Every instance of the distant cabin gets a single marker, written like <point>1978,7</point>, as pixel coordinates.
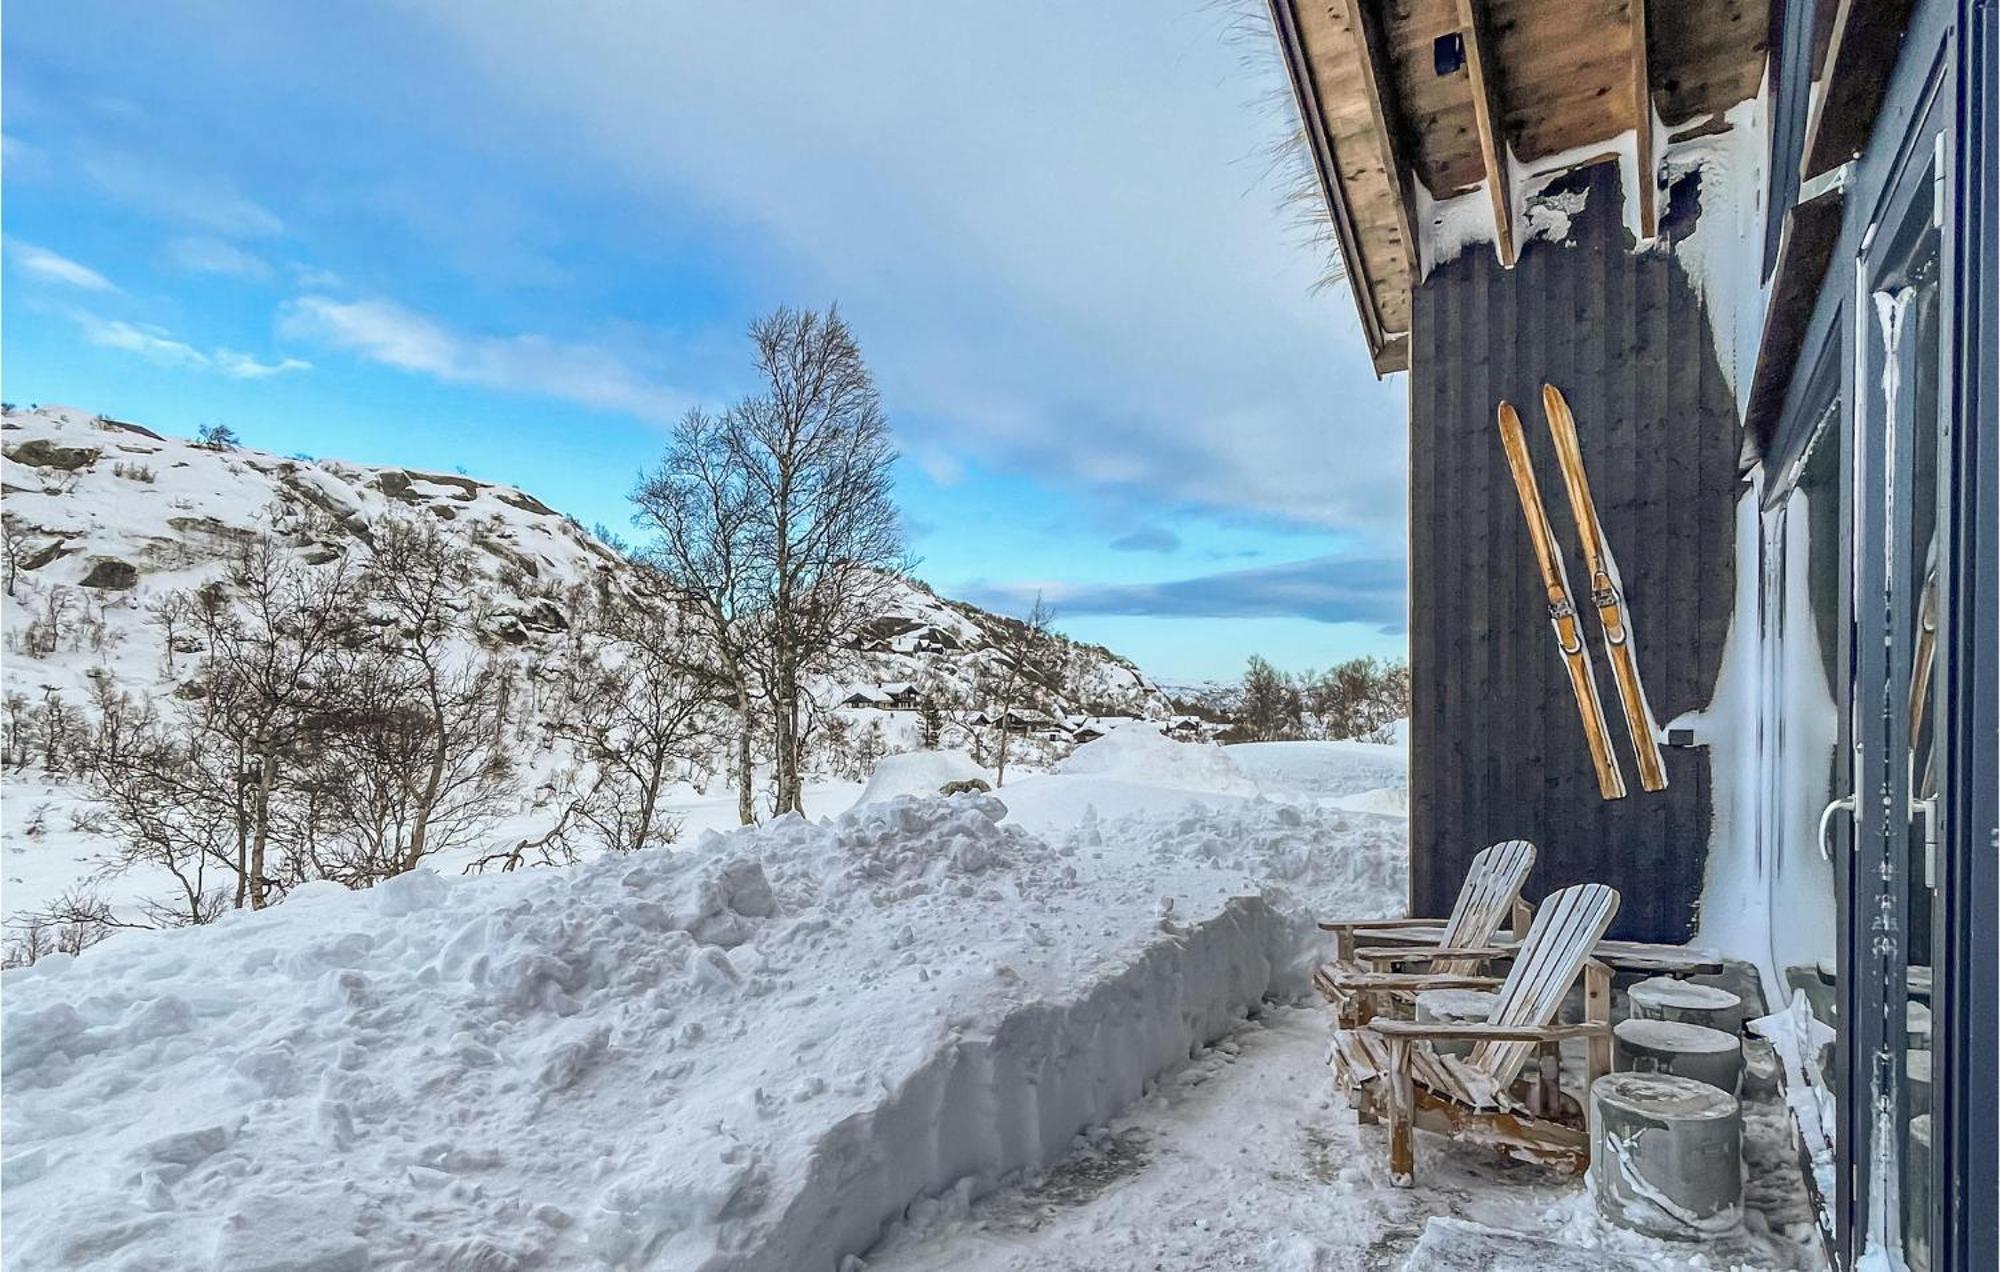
<point>890,636</point>
<point>900,695</point>
<point>1029,719</point>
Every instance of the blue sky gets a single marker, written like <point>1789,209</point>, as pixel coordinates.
<point>522,239</point>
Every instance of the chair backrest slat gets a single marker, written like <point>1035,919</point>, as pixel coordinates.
<point>1492,884</point>
<point>1566,930</point>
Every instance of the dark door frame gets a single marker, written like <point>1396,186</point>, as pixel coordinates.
<point>1962,70</point>
<point>1963,1104</point>
<point>1876,995</point>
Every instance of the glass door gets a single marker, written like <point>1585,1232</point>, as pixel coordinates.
<point>1901,391</point>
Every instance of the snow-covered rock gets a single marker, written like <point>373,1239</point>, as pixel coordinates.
<point>920,773</point>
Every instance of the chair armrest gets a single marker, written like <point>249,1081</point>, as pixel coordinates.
<point>1482,1032</point>
<point>1429,954</point>
<point>1362,925</point>
<point>1406,980</point>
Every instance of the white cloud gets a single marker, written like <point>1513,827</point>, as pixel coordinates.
<point>241,366</point>
<point>1328,589</point>
<point>936,463</point>
<point>385,332</point>
<point>209,203</point>
<point>151,343</point>
<point>1049,231</point>
<point>43,263</point>
<point>314,277</point>
<point>24,160</point>
<point>158,346</point>
<point>201,254</point>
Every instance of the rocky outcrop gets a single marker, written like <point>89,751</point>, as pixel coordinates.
<point>40,452</point>
<point>111,575</point>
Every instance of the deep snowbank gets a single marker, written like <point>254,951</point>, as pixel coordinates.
<point>749,1054</point>
<point>1013,1097</point>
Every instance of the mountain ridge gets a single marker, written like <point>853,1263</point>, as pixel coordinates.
<point>68,529</point>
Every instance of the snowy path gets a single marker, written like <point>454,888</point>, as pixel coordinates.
<point>1246,1159</point>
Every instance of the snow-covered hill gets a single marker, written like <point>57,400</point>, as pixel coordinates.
<point>104,519</point>
<point>113,514</point>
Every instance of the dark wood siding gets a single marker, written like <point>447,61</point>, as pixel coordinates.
<point>1497,749</point>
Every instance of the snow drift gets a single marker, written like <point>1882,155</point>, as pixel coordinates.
<point>750,1054</point>
<point>1140,752</point>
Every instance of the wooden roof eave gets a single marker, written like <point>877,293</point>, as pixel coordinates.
<point>1805,254</point>
<point>1864,38</point>
<point>1860,57</point>
<point>1388,351</point>
<point>1386,114</point>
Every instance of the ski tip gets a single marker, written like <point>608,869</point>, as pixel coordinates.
<point>1553,399</point>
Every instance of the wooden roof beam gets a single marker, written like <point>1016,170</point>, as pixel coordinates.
<point>1379,83</point>
<point>1642,126</point>
<point>1388,351</point>
<point>1486,114</point>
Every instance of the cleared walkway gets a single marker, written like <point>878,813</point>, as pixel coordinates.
<point>1246,1159</point>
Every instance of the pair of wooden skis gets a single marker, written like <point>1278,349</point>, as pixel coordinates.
<point>1607,596</point>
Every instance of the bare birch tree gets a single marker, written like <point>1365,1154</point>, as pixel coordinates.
<point>638,708</point>
<point>1020,657</point>
<point>426,740</point>
<point>827,542</point>
<point>170,805</point>
<point>697,504</point>
<point>1271,707</point>
<point>269,680</point>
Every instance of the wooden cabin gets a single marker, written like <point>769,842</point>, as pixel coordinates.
<point>902,695</point>
<point>897,695</point>
<point>1753,244</point>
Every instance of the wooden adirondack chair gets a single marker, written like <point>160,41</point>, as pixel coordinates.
<point>1390,1069</point>
<point>1360,981</point>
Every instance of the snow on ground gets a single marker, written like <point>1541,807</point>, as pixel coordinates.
<point>1134,769</point>
<point>1139,752</point>
<point>964,1023</point>
<point>1247,1158</point>
<point>1359,776</point>
<point>752,1052</point>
